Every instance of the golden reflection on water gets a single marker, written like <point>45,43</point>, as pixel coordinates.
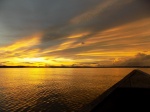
<point>19,86</point>
<point>46,89</point>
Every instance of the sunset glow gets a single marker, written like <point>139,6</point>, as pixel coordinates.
<point>100,33</point>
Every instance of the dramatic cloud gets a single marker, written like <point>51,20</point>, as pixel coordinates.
<point>140,59</point>
<point>83,32</point>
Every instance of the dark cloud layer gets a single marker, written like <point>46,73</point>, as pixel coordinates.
<point>25,17</point>
<point>117,13</point>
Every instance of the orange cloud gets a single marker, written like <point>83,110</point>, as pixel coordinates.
<point>26,42</point>
<point>117,43</point>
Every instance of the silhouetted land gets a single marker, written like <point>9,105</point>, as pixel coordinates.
<point>74,66</point>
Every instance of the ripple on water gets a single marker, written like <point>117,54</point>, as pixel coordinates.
<point>53,90</point>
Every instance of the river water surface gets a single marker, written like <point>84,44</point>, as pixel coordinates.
<point>55,89</point>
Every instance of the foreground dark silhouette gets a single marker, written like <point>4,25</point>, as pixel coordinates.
<point>130,94</point>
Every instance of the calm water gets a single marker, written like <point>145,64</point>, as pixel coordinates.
<point>54,89</point>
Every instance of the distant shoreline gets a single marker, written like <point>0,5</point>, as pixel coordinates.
<point>74,67</point>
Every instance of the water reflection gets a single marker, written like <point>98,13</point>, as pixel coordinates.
<point>53,90</point>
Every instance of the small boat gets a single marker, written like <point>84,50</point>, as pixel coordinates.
<point>131,94</point>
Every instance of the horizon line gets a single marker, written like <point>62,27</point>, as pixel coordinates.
<point>21,66</point>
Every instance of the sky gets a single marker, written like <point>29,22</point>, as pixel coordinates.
<point>75,32</point>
